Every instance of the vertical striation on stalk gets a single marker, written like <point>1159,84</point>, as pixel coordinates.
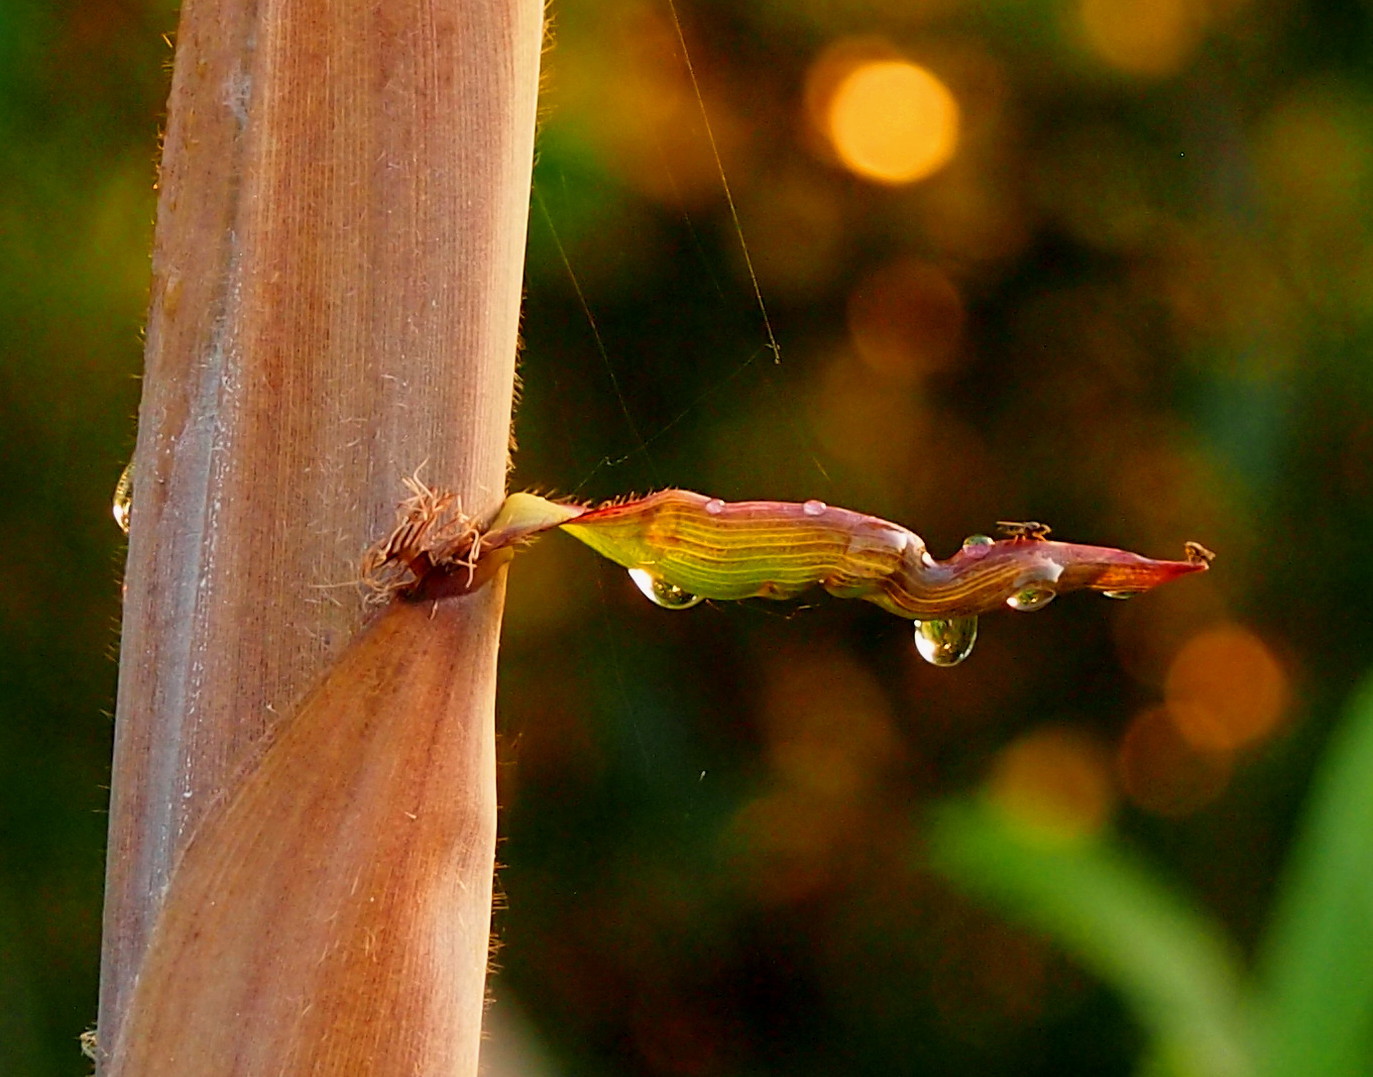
<point>336,287</point>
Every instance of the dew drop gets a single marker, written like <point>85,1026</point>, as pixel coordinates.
<point>660,592</point>
<point>715,506</point>
<point>123,498</point>
<point>1121,594</point>
<point>1030,599</point>
<point>975,546</point>
<point>946,643</point>
<point>813,507</point>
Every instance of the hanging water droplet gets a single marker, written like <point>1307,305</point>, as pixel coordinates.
<point>813,507</point>
<point>715,506</point>
<point>946,643</point>
<point>1030,599</point>
<point>123,498</point>
<point>661,593</point>
<point>1121,594</point>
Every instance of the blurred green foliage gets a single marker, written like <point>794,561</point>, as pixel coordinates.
<point>1137,303</point>
<point>1171,965</point>
<point>1306,1010</point>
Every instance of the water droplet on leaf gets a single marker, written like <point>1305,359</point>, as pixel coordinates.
<point>660,592</point>
<point>813,507</point>
<point>1030,599</point>
<point>975,546</point>
<point>1121,594</point>
<point>946,643</point>
<point>123,498</point>
<point>715,506</point>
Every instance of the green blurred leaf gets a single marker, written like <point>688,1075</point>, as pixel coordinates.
<point>1174,967</point>
<point>1317,972</point>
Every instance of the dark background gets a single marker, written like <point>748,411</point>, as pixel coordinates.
<point>1136,303</point>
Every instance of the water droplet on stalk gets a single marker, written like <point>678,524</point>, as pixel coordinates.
<point>813,507</point>
<point>1121,594</point>
<point>715,506</point>
<point>946,643</point>
<point>1030,599</point>
<point>660,592</point>
<point>123,498</point>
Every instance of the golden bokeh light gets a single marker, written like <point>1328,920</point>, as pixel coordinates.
<point>1055,782</point>
<point>1142,37</point>
<point>1225,689</point>
<point>1149,635</point>
<point>891,121</point>
<point>906,319</point>
<point>809,747</point>
<point>1161,772</point>
<point>831,741</point>
<point>859,420</point>
<point>1313,155</point>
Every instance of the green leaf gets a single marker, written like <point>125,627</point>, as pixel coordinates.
<point>1317,972</point>
<point>1172,965</point>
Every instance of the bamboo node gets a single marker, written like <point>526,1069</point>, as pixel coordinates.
<point>431,532</point>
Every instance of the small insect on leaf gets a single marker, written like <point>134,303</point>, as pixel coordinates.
<point>1028,529</point>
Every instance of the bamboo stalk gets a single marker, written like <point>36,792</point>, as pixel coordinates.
<point>336,284</point>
